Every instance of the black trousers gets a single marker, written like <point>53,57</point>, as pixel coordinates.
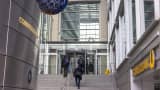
<point>65,71</point>
<point>77,80</point>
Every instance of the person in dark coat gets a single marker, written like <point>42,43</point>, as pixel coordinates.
<point>81,64</point>
<point>65,66</point>
<point>78,76</point>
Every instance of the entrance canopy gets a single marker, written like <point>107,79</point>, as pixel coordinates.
<point>75,45</point>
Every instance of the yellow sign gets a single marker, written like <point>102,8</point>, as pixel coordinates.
<point>28,26</point>
<point>147,63</point>
<point>152,60</point>
<point>107,72</point>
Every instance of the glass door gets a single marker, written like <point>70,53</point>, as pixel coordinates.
<point>90,64</point>
<point>101,64</point>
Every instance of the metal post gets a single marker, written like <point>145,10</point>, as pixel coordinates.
<point>100,65</point>
<point>96,63</point>
<point>85,51</point>
<point>56,63</point>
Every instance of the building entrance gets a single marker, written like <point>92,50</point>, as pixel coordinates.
<point>95,59</point>
<point>74,56</point>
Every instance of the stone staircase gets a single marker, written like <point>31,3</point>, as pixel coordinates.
<point>89,82</point>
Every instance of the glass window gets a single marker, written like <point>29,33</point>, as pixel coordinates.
<point>148,12</point>
<point>134,21</point>
<point>84,19</point>
<point>82,32</point>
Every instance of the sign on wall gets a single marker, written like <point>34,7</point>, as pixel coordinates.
<point>28,25</point>
<point>147,64</point>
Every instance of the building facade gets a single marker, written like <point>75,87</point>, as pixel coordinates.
<point>133,32</point>
<point>80,30</point>
<point>19,44</point>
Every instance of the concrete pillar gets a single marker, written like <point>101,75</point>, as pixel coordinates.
<point>134,85</point>
<point>128,23</point>
<point>140,18</point>
<point>55,28</point>
<point>120,39</point>
<point>117,47</point>
<point>157,9</point>
<point>103,20</point>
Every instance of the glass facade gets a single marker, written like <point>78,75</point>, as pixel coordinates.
<point>46,27</point>
<point>80,22</point>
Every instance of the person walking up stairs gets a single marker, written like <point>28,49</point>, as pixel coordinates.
<point>78,76</point>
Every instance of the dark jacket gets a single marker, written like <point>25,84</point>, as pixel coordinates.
<point>65,62</point>
<point>78,72</point>
<point>81,64</point>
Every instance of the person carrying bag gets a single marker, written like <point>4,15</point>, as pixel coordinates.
<point>78,76</point>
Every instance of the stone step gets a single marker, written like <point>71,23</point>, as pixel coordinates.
<point>98,82</point>
<point>60,76</point>
<point>49,77</point>
<point>75,88</point>
<point>89,82</point>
